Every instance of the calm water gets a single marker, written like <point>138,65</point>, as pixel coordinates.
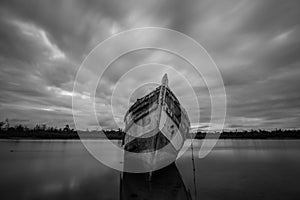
<point>235,169</point>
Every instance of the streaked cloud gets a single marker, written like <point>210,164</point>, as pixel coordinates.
<point>255,44</point>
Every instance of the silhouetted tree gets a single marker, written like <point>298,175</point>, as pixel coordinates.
<point>67,128</point>
<point>1,124</point>
<point>6,124</point>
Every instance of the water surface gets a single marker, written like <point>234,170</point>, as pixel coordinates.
<point>235,169</point>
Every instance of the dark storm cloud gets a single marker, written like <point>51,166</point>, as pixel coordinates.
<point>254,43</point>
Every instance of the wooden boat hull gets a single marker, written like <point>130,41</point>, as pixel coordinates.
<point>153,146</point>
<point>156,128</point>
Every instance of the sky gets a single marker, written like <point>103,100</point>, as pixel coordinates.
<point>254,43</point>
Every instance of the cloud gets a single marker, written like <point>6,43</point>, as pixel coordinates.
<point>38,35</point>
<point>254,43</point>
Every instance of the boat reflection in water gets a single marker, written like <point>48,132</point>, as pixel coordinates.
<point>165,183</point>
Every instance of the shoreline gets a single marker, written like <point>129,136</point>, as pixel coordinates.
<point>114,139</point>
<point>278,134</point>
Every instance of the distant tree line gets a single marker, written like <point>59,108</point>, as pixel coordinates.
<point>39,131</point>
<point>42,131</point>
<point>255,134</point>
<point>114,134</point>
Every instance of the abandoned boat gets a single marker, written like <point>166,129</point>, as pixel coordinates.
<point>156,127</point>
